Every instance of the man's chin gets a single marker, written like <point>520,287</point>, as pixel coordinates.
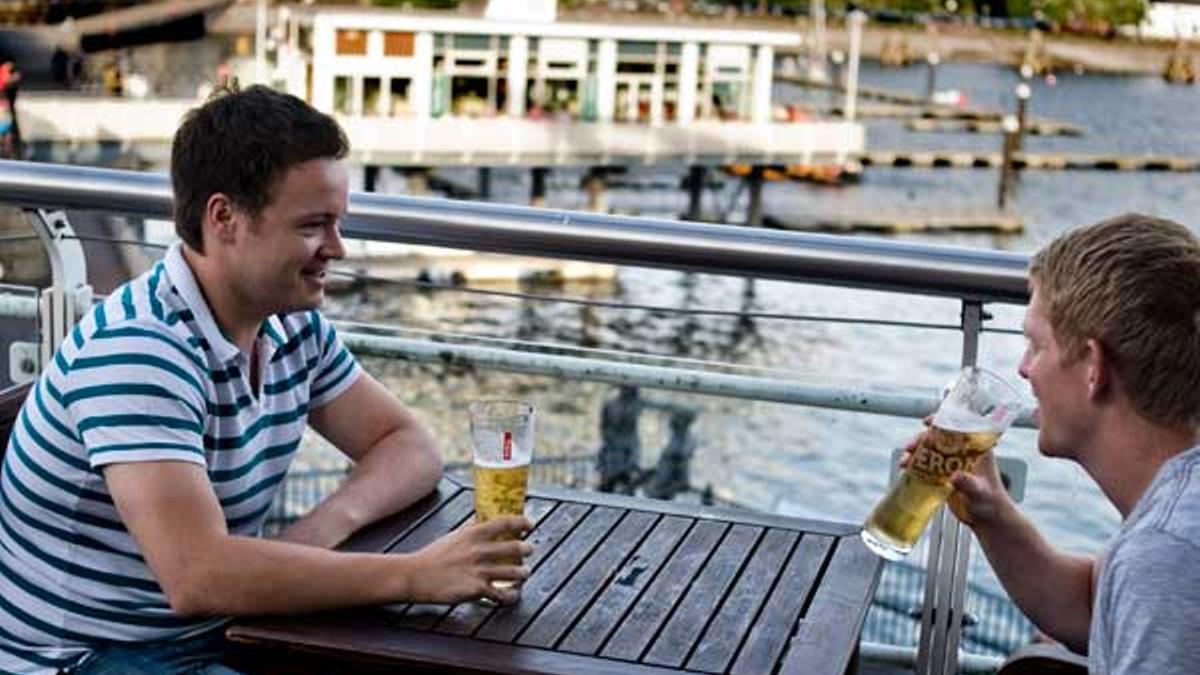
<point>304,304</point>
<point>1048,449</point>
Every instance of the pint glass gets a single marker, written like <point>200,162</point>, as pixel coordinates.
<point>979,407</point>
<point>502,443</point>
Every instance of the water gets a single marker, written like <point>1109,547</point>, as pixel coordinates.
<point>794,460</point>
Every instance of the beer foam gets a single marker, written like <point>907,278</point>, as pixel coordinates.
<point>518,459</point>
<point>956,418</point>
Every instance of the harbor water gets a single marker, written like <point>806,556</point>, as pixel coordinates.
<point>782,458</point>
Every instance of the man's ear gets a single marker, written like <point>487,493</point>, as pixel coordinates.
<point>1099,369</point>
<point>221,218</point>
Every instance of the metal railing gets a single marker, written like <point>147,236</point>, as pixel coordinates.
<point>975,277</point>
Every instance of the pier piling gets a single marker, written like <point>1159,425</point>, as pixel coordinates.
<point>1012,133</point>
<point>931,61</point>
<point>537,187</point>
<point>696,177</point>
<point>837,59</point>
<point>754,206</point>
<point>370,177</point>
<point>485,183</point>
<point>595,184</point>
<point>1023,92</point>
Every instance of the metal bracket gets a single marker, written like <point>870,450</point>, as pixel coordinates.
<point>69,294</point>
<point>23,365</point>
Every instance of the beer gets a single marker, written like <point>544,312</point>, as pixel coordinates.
<point>500,491</point>
<point>969,421</point>
<point>502,439</point>
<point>898,520</point>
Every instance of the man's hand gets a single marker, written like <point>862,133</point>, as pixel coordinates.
<point>979,497</point>
<point>462,565</point>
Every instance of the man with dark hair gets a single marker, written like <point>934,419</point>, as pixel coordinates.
<point>1113,357</point>
<point>143,463</point>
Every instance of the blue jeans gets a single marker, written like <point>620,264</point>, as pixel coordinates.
<point>200,655</point>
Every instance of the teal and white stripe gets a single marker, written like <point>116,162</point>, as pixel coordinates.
<point>146,376</point>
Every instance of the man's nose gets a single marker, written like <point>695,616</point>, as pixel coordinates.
<point>333,247</point>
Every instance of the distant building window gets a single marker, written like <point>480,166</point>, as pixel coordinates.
<point>637,48</point>
<point>351,42</point>
<point>372,97</point>
<point>401,105</point>
<point>342,93</point>
<point>472,42</point>
<point>398,44</point>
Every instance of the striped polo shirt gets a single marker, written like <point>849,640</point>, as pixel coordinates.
<point>146,376</point>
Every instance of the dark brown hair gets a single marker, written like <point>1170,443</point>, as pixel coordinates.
<point>240,144</point>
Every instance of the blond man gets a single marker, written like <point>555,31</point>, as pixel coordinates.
<point>1113,358</point>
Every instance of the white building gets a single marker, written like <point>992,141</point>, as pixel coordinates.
<point>533,88</point>
<point>1171,21</point>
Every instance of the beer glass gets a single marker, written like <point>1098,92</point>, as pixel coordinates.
<point>978,408</point>
<point>502,443</point>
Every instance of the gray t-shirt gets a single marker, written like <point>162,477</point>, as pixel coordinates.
<point>1146,617</point>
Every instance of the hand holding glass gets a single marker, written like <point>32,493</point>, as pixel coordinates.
<point>978,409</point>
<point>502,435</point>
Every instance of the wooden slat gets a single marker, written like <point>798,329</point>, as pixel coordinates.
<point>648,591</point>
<point>424,616</point>
<point>637,573</point>
<point>570,601</point>
<point>451,515</point>
<point>419,616</point>
<point>679,636</point>
<point>438,523</point>
<point>722,514</point>
<point>380,536</point>
<point>822,644</point>
<point>724,634</point>
<point>466,618</point>
<point>508,622</point>
<point>771,632</point>
<point>656,603</point>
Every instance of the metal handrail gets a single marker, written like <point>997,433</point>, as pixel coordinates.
<point>973,276</point>
<point>905,267</point>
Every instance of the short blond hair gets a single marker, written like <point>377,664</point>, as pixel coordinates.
<point>1133,284</point>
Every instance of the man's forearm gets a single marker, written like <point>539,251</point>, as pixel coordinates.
<point>1052,588</point>
<point>399,470</point>
<point>239,576</point>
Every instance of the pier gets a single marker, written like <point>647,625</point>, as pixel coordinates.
<point>1038,161</point>
<point>892,221</point>
<point>987,125</point>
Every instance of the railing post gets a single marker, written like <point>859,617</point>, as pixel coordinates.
<point>69,292</point>
<point>949,555</point>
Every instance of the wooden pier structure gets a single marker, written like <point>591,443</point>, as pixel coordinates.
<point>1024,160</point>
<point>990,126</point>
<point>903,221</point>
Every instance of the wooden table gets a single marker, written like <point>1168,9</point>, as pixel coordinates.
<point>619,585</point>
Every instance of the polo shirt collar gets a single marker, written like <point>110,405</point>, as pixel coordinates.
<point>273,329</point>
<point>184,281</point>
